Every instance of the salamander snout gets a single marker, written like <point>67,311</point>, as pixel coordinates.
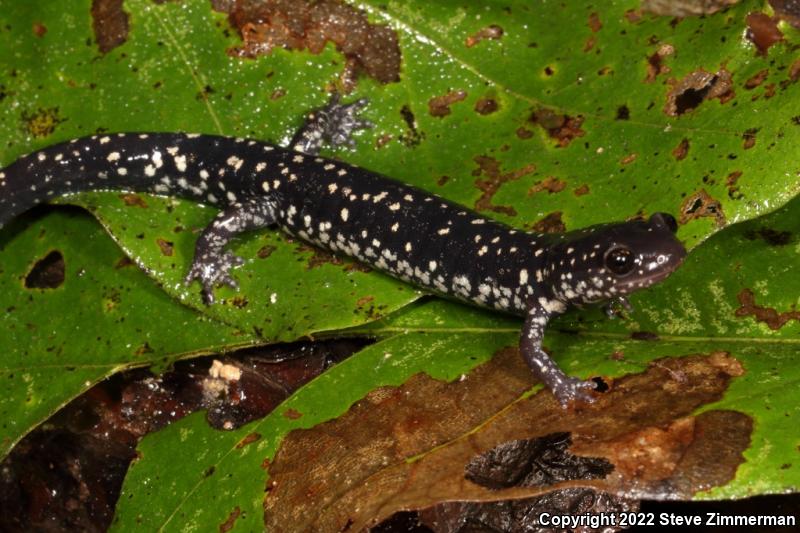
<point>611,260</point>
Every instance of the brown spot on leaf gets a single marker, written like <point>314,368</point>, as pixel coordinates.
<point>697,87</point>
<point>730,182</point>
<point>562,128</point>
<point>767,315</point>
<point>794,71</point>
<point>633,15</point>
<point>47,273</point>
<point>680,151</point>
<point>524,133</point>
<point>756,79</point>
<point>594,22</point>
<point>382,140</point>
<point>762,31</point>
<point>643,427</point>
<point>319,257</point>
<point>551,184</point>
<point>265,251</point>
<point>583,189</point>
<point>655,62</point>
<point>110,24</point>
<point>552,223</point>
<point>489,32</point>
<point>439,106</point>
<point>39,29</point>
<point>628,159</point>
<point>442,180</point>
<point>364,300</point>
<point>490,167</point>
<point>166,247</point>
<point>250,438</point>
<point>486,106</point>
<point>230,522</point>
<point>700,204</point>
<point>310,25</point>
<point>42,122</point>
<point>133,200</point>
<point>239,301</point>
<point>749,138</point>
<point>292,414</point>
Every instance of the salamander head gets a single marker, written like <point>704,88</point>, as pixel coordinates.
<point>611,260</point>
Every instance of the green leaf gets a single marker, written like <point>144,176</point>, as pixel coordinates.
<point>579,136</point>
<point>96,315</point>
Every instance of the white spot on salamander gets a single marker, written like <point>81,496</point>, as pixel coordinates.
<point>149,170</point>
<point>344,213</point>
<point>180,163</point>
<point>113,156</point>
<point>235,162</point>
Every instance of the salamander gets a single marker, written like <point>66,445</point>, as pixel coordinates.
<point>400,229</point>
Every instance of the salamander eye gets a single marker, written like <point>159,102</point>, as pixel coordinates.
<point>619,260</point>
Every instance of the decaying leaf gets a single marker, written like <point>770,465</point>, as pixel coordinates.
<point>484,439</point>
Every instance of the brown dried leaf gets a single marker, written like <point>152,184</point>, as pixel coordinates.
<point>398,450</point>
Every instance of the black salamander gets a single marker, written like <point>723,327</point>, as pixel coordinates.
<point>400,229</point>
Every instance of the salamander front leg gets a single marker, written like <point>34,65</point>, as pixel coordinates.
<point>333,125</point>
<point>566,389</point>
<point>212,263</point>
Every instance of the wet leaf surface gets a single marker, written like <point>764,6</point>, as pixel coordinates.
<point>617,113</point>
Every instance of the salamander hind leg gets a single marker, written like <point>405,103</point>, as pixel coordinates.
<point>212,264</point>
<point>333,125</point>
<point>566,389</point>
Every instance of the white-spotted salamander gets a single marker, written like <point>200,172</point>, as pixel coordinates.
<point>400,229</point>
